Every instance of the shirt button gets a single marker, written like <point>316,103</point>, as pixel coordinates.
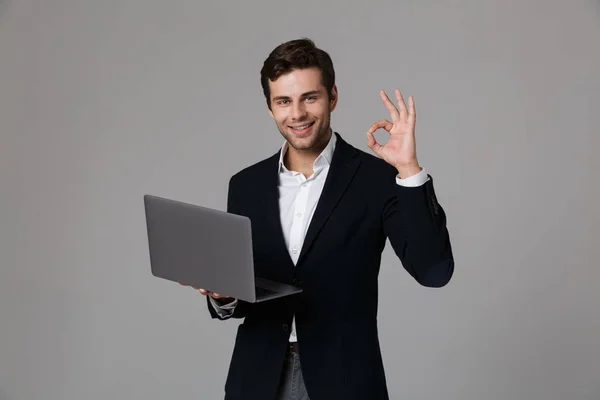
<point>299,215</point>
<point>304,185</point>
<point>294,251</point>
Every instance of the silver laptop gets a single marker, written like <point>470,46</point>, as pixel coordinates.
<point>206,248</point>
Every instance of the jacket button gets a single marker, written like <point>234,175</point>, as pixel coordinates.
<point>286,328</point>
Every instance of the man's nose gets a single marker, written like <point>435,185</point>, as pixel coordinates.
<point>298,111</point>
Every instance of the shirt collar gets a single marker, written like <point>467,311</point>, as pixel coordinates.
<point>323,159</point>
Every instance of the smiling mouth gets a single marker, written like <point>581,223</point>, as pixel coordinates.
<point>302,128</point>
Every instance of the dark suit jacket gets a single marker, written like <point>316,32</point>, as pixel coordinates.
<point>336,315</point>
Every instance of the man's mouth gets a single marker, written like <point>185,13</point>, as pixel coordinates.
<point>302,128</point>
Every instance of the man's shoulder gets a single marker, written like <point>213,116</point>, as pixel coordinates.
<point>256,170</point>
<point>366,157</point>
<point>375,164</point>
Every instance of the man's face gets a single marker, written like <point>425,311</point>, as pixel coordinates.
<point>301,108</point>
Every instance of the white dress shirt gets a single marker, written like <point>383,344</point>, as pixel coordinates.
<point>298,198</point>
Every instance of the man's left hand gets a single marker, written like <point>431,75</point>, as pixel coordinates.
<point>400,150</point>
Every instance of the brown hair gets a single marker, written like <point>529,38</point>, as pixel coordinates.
<point>296,54</point>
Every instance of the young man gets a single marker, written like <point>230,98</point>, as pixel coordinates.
<point>321,213</point>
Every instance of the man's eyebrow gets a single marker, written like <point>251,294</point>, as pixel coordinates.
<point>310,93</point>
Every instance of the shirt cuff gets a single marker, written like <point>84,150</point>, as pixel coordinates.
<point>224,310</point>
<point>418,179</point>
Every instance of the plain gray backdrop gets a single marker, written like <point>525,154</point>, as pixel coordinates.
<point>104,101</point>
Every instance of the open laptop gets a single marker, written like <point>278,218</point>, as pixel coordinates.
<point>206,248</point>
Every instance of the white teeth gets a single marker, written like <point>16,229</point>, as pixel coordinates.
<point>299,128</point>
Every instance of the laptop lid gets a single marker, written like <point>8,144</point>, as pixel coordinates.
<point>200,246</point>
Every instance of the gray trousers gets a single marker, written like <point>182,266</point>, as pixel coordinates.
<point>291,385</point>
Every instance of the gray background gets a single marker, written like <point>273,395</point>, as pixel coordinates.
<point>103,101</point>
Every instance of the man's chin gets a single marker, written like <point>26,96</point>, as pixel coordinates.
<point>301,144</point>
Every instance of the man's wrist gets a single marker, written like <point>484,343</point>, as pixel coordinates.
<point>224,301</point>
<point>408,170</point>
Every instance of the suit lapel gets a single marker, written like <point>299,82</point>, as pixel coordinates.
<point>344,164</point>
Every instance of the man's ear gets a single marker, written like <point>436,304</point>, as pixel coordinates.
<point>270,111</point>
<point>334,98</point>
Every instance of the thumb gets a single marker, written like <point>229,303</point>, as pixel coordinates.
<point>372,143</point>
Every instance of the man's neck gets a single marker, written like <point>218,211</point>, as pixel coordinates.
<point>303,160</point>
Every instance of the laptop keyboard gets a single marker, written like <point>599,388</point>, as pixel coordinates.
<point>261,292</point>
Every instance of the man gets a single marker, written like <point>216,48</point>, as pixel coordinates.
<point>321,213</point>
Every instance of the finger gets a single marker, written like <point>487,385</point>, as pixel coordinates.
<point>401,104</point>
<point>412,113</point>
<point>394,114</point>
<point>372,143</point>
<point>381,124</point>
<point>203,291</point>
<point>219,296</point>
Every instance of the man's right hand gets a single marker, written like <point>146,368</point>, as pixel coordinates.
<point>222,299</point>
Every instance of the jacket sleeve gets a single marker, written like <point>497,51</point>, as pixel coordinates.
<point>415,224</point>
